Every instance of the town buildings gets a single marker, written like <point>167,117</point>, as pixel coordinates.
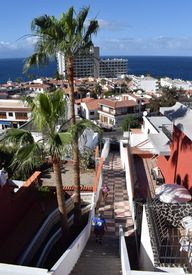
<point>13,113</point>
<point>163,144</point>
<point>90,64</point>
<point>177,167</point>
<point>113,67</point>
<point>112,110</point>
<point>84,64</point>
<point>147,84</point>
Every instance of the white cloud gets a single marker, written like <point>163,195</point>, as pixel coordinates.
<point>31,40</point>
<point>109,25</point>
<point>20,48</point>
<point>7,45</point>
<point>155,45</point>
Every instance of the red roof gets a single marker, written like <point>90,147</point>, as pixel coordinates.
<point>93,104</point>
<point>117,103</point>
<point>86,99</point>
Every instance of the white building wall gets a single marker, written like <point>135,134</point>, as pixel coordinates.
<point>61,64</point>
<point>146,261</point>
<point>128,176</point>
<point>88,139</point>
<point>148,127</point>
<point>84,111</point>
<point>148,85</point>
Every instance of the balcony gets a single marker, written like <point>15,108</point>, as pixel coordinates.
<point>166,233</point>
<point>21,117</point>
<point>111,112</point>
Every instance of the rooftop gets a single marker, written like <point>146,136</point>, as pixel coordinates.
<point>181,116</point>
<point>113,103</point>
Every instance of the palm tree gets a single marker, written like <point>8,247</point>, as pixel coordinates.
<point>68,35</point>
<point>46,110</point>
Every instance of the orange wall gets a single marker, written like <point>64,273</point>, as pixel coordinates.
<point>177,168</point>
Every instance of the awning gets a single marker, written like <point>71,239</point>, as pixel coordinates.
<point>3,122</point>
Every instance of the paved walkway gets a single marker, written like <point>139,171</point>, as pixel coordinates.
<point>116,208</point>
<point>104,259</point>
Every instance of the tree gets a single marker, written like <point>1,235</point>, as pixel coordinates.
<point>57,76</point>
<point>68,35</point>
<point>168,98</point>
<point>130,121</point>
<point>18,80</point>
<point>46,110</point>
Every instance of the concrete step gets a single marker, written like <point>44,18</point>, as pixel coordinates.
<point>97,268</point>
<point>99,258</point>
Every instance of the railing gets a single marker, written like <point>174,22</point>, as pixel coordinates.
<point>105,151</point>
<point>125,264</point>
<point>21,117</point>
<point>41,235</point>
<point>68,260</point>
<point>55,237</point>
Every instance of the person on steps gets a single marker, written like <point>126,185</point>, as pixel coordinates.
<point>105,192</point>
<point>100,227</point>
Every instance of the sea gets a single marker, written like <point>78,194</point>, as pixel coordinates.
<point>156,66</point>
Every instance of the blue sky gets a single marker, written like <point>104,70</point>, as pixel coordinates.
<point>127,27</point>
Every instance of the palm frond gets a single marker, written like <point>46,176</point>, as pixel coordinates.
<point>27,158</point>
<point>38,58</point>
<point>45,105</point>
<point>65,137</point>
<point>81,17</point>
<point>18,136</point>
<point>92,29</point>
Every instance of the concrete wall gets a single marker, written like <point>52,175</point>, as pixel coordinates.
<point>88,139</point>
<point>148,127</point>
<point>146,260</point>
<point>126,163</point>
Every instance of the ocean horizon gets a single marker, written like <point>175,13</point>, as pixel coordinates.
<point>157,66</point>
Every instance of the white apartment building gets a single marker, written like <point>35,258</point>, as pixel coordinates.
<point>90,64</point>
<point>13,113</point>
<point>113,67</point>
<point>84,64</point>
<point>145,83</point>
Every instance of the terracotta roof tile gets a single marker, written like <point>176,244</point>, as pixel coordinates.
<point>93,104</point>
<point>117,104</point>
<point>86,99</point>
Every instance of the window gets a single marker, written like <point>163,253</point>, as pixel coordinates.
<point>92,113</point>
<point>21,115</point>
<point>3,115</point>
<point>10,114</point>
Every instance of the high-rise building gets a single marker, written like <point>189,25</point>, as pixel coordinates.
<point>113,67</point>
<point>61,64</point>
<point>90,64</point>
<point>84,64</point>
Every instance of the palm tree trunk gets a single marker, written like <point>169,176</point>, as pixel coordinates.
<point>76,164</point>
<point>60,197</point>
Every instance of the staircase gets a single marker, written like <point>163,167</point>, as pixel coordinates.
<point>104,258</point>
<point>97,259</point>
